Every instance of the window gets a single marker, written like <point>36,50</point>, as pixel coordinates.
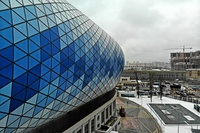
<point>102,117</point>
<point>92,125</point>
<point>86,128</point>
<point>106,113</point>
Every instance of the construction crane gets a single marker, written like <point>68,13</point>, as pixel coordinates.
<point>179,48</point>
<point>183,55</point>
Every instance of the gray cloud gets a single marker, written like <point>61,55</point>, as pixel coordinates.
<point>144,28</point>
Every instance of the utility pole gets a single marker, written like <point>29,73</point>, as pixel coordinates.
<point>151,84</point>
<point>137,88</point>
<point>160,86</point>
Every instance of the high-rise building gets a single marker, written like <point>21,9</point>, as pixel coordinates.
<point>183,61</point>
<point>58,69</point>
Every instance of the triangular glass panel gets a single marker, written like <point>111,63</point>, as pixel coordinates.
<point>23,45</point>
<point>29,113</point>
<point>6,14</point>
<point>47,76</point>
<point>4,43</point>
<point>45,56</point>
<point>5,107</point>
<point>44,69</point>
<point>36,39</point>
<point>18,53</point>
<point>43,84</point>
<point>4,62</point>
<point>16,18</point>
<point>39,12</point>
<point>3,99</point>
<point>52,17</point>
<point>30,93</point>
<point>47,63</point>
<point>59,92</point>
<point>32,62</point>
<point>23,120</point>
<point>11,119</point>
<point>36,70</point>
<point>27,107</point>
<point>53,35</point>
<point>44,40</point>
<point>34,23</point>
<point>31,30</point>
<point>63,44</point>
<point>36,55</point>
<point>35,85</point>
<point>6,33</point>
<point>49,100</point>
<point>4,24</point>
<point>57,69</point>
<point>40,97</point>
<point>47,49</point>
<point>18,111</point>
<point>23,62</point>
<point>44,20</point>
<point>6,90</point>
<point>54,62</point>
<point>48,8</point>
<point>15,3</point>
<point>20,96</point>
<point>42,26</point>
<point>17,88</point>
<point>15,104</point>
<point>18,71</point>
<point>3,6</point>
<point>42,103</point>
<point>22,79</point>
<point>3,121</point>
<point>33,99</point>
<point>29,15</point>
<point>57,56</point>
<point>18,36</point>
<point>32,46</point>
<point>31,9</point>
<point>50,22</point>
<point>54,76</point>
<point>55,46</point>
<point>15,124</point>
<point>32,78</point>
<point>20,11</point>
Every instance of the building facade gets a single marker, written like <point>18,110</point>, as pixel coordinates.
<point>155,75</point>
<point>55,63</point>
<point>193,74</point>
<point>147,66</point>
<point>183,61</point>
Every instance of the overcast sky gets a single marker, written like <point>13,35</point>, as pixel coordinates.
<point>144,28</point>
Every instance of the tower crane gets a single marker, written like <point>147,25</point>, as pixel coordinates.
<point>179,48</point>
<point>183,54</point>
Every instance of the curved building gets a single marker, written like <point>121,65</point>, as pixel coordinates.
<point>54,63</point>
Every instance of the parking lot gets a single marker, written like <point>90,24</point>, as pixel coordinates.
<point>175,114</point>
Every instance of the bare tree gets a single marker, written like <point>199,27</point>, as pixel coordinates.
<point>151,85</point>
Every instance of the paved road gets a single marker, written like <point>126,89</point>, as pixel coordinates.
<point>137,119</point>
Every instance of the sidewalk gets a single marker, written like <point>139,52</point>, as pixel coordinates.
<point>137,119</point>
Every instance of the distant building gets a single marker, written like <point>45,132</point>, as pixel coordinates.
<point>193,74</point>
<point>147,66</point>
<point>156,75</point>
<point>183,61</point>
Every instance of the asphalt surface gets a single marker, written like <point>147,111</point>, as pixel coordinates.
<point>174,114</point>
<point>137,118</point>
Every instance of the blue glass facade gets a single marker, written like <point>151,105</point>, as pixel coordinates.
<point>52,60</point>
